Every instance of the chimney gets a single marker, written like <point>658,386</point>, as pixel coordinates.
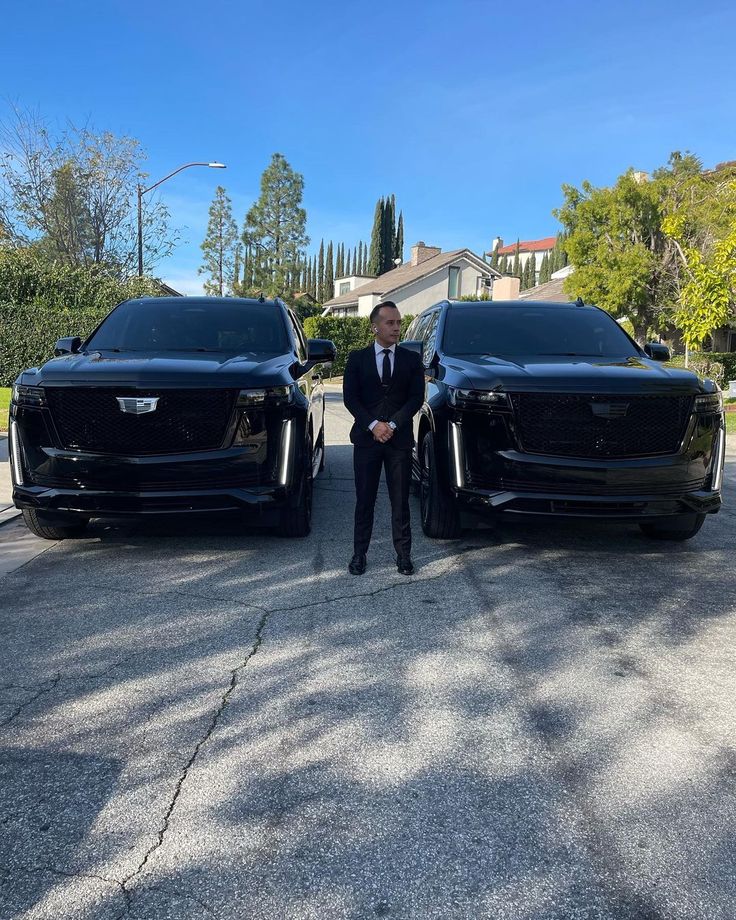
<point>420,252</point>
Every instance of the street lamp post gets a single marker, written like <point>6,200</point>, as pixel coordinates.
<point>143,191</point>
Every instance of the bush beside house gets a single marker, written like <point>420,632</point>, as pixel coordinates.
<point>348,333</point>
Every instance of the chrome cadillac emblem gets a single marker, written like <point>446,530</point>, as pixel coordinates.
<point>137,406</point>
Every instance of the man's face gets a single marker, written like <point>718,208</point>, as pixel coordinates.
<point>388,326</point>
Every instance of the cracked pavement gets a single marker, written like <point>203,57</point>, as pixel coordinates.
<point>202,720</point>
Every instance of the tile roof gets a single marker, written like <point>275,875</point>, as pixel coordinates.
<point>527,246</point>
<point>405,274</point>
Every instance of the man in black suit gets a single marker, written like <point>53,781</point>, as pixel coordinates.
<point>383,389</point>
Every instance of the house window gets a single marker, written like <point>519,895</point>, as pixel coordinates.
<point>732,345</point>
<point>344,288</point>
<point>453,285</point>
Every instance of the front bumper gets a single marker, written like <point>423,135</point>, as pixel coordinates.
<point>560,504</point>
<point>260,500</point>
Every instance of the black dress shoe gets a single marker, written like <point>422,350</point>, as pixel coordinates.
<point>404,565</point>
<point>357,564</point>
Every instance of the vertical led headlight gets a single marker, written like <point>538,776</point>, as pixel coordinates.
<point>286,439</point>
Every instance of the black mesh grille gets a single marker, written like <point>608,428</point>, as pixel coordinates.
<point>616,426</point>
<point>90,419</point>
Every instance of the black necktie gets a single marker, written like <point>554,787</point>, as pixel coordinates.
<point>386,375</point>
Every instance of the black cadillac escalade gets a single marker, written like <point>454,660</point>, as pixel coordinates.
<point>173,404</point>
<point>552,409</point>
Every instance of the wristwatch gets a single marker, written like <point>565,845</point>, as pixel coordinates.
<point>392,426</point>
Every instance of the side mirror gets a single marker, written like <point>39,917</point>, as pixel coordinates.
<point>68,346</point>
<point>657,351</point>
<point>415,345</point>
<point>321,351</point>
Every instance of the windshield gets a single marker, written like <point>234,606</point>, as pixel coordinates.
<point>510,331</point>
<point>217,325</point>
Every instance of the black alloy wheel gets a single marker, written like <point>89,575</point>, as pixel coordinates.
<point>55,526</point>
<point>678,527</point>
<point>440,516</point>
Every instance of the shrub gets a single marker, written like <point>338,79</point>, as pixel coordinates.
<point>348,333</point>
<point>42,302</point>
<point>719,366</point>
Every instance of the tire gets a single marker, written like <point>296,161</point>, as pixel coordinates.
<point>440,516</point>
<point>55,526</point>
<point>296,517</point>
<point>679,527</point>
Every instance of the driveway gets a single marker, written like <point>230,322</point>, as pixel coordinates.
<point>199,720</point>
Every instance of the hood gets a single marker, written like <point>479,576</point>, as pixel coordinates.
<point>573,374</point>
<point>191,369</point>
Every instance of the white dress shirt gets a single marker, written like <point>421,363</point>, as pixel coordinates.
<point>379,367</point>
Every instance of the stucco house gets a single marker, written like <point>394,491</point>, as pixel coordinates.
<point>540,249</point>
<point>430,276</point>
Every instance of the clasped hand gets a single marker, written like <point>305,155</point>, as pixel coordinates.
<point>382,432</point>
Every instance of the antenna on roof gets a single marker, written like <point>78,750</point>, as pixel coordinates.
<point>261,298</point>
<point>579,302</point>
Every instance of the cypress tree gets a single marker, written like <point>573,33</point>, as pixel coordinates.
<point>320,282</point>
<point>376,258</point>
<point>339,261</point>
<point>329,274</point>
<point>348,270</point>
<point>516,270</point>
<point>399,247</point>
<point>544,270</point>
<point>389,243</point>
<point>532,263</point>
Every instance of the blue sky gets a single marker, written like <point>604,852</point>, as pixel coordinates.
<point>473,114</point>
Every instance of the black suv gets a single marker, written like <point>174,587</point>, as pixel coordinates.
<point>552,409</point>
<point>173,404</point>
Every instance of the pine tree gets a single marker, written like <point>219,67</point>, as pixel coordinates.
<point>277,223</point>
<point>376,258</point>
<point>399,247</point>
<point>218,247</point>
<point>329,274</point>
<point>320,280</point>
<point>236,268</point>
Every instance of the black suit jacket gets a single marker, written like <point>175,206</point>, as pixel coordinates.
<point>367,399</point>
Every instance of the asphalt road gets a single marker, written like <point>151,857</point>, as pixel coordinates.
<point>201,721</point>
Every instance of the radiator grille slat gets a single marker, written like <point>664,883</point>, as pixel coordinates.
<point>89,419</point>
<point>600,426</point>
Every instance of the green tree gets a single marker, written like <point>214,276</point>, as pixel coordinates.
<point>532,270</point>
<point>218,247</point>
<point>700,220</point>
<point>622,258</point>
<point>329,274</point>
<point>516,269</point>
<point>71,196</point>
<point>377,257</point>
<point>544,272</point>
<point>399,245</point>
<point>320,281</point>
<point>277,223</point>
<point>339,261</point>
<point>389,233</point>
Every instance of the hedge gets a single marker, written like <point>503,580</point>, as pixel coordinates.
<point>348,333</point>
<point>719,366</point>
<point>42,302</point>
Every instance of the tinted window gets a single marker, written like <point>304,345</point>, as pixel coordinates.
<point>217,325</point>
<point>534,331</point>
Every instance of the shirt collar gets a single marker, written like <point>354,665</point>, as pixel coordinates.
<point>379,348</point>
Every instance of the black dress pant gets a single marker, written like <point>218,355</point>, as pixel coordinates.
<point>367,463</point>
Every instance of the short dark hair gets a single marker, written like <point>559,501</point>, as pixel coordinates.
<point>379,306</point>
